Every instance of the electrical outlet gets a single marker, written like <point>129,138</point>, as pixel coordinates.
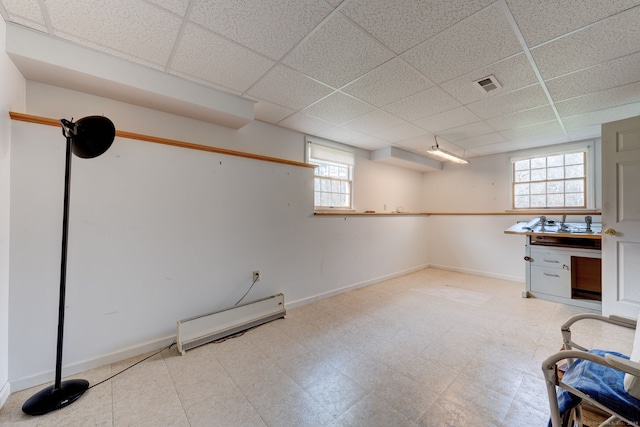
<point>256,276</point>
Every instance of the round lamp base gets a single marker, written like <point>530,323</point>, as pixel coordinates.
<point>52,398</point>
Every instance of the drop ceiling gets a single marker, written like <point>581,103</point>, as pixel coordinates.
<point>378,73</point>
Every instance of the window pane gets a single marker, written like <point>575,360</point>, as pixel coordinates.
<point>538,201</point>
<point>521,165</point>
<point>325,199</point>
<point>538,188</point>
<point>555,161</point>
<point>521,202</point>
<point>575,186</point>
<point>574,171</point>
<point>555,187</point>
<point>555,173</point>
<point>538,174</point>
<point>555,200</point>
<point>573,158</point>
<point>540,162</point>
<point>574,200</point>
<point>521,189</point>
<point>522,176</point>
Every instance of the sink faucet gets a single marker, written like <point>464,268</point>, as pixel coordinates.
<point>587,220</point>
<point>543,220</point>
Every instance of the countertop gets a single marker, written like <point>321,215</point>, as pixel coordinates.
<point>572,229</point>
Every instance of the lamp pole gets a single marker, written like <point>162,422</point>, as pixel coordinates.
<point>63,393</point>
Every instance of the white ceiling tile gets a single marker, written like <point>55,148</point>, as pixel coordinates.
<point>389,82</point>
<point>602,116</point>
<point>402,132</point>
<point>426,103</point>
<point>205,55</point>
<point>511,102</point>
<point>305,124</point>
<point>369,143</point>
<point>373,122</point>
<point>26,9</point>
<point>594,131</point>
<point>523,118</point>
<point>466,131</point>
<point>176,6</point>
<point>540,21</point>
<point>135,28</point>
<point>512,73</point>
<point>270,113</point>
<point>337,53</point>
<point>617,72</point>
<point>606,40</point>
<point>334,3</point>
<point>478,141</point>
<point>338,108</point>
<point>498,147</point>
<point>418,144</point>
<point>541,131</point>
<point>448,119</point>
<point>340,134</point>
<point>403,24</point>
<point>540,141</point>
<point>30,24</point>
<point>600,100</point>
<point>480,40</point>
<point>290,88</point>
<point>258,24</point>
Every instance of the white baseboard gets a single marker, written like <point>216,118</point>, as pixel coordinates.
<point>353,287</point>
<point>18,384</point>
<point>479,273</point>
<point>5,391</point>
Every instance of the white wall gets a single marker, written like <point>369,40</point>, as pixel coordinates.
<point>11,98</point>
<point>477,243</point>
<point>159,233</point>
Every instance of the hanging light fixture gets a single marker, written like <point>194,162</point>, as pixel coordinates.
<point>445,155</point>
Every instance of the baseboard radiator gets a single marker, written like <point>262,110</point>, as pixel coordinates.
<point>204,329</point>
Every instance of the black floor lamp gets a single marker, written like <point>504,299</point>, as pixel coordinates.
<point>89,137</point>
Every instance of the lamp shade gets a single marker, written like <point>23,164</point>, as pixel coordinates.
<point>93,136</point>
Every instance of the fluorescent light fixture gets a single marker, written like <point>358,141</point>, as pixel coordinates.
<point>445,155</point>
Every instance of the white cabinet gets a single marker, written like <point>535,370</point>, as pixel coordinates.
<point>555,273</point>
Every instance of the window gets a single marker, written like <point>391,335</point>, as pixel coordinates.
<point>554,180</point>
<point>333,183</point>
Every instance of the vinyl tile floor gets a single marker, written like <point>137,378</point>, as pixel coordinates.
<point>431,348</point>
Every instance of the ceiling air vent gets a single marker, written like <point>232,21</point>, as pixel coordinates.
<point>488,84</point>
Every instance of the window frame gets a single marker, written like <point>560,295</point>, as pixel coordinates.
<point>331,145</point>
<point>587,147</point>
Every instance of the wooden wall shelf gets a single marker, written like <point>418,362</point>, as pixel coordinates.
<point>157,140</point>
